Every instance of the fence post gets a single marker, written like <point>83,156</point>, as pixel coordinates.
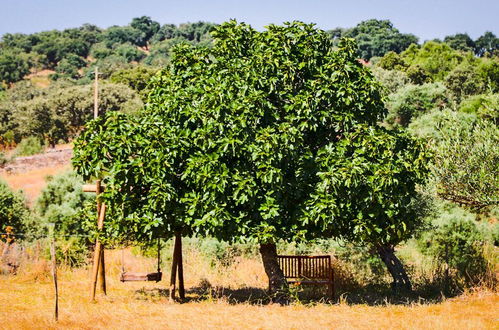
<point>54,269</point>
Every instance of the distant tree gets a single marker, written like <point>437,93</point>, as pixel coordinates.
<point>167,31</point>
<point>14,65</point>
<point>435,59</point>
<point>137,78</point>
<point>129,52</point>
<point>487,43</point>
<point>463,81</point>
<point>61,202</point>
<point>70,65</point>
<point>60,114</point>
<point>378,37</point>
<point>195,31</point>
<point>488,70</point>
<point>122,34</point>
<point>485,106</point>
<point>147,26</point>
<point>460,41</point>
<point>392,61</point>
<point>392,80</point>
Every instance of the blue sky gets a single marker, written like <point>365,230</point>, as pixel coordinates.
<point>427,19</point>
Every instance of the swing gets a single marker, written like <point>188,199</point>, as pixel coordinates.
<point>130,277</point>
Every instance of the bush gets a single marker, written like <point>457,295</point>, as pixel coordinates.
<point>392,80</point>
<point>457,242</point>
<point>13,210</point>
<point>415,100</point>
<point>29,146</point>
<point>61,202</point>
<point>484,106</point>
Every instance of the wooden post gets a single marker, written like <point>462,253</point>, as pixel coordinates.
<point>181,289</point>
<point>54,271</point>
<point>100,226</point>
<point>97,253</point>
<point>173,276</point>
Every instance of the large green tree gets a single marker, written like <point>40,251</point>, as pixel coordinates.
<point>234,140</point>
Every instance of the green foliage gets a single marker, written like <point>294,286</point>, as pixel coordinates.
<point>240,140</point>
<point>367,189</point>
<point>147,26</point>
<point>136,78</point>
<point>466,157</point>
<point>13,209</point>
<point>412,101</point>
<point>488,43</point>
<point>391,80</point>
<point>29,146</point>
<point>129,52</point>
<point>458,243</point>
<point>378,37</point>
<point>59,113</point>
<point>460,41</point>
<point>463,81</point>
<point>13,66</point>
<point>484,106</point>
<point>392,61</point>
<point>62,201</point>
<point>434,58</point>
<point>70,65</point>
<point>488,69</point>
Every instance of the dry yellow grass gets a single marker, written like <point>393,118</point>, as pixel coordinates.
<point>28,303</point>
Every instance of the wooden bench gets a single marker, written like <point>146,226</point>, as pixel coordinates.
<point>314,270</point>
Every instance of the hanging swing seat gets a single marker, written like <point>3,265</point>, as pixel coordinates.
<point>130,277</point>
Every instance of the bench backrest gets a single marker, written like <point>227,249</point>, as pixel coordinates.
<point>318,267</point>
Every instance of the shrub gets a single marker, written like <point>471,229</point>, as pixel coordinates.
<point>61,202</point>
<point>13,209</point>
<point>463,81</point>
<point>29,146</point>
<point>457,242</point>
<point>415,100</point>
<point>484,106</point>
<point>392,80</point>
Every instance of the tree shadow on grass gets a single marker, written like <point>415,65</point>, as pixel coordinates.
<point>372,295</point>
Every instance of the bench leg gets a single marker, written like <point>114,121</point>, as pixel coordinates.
<point>331,286</point>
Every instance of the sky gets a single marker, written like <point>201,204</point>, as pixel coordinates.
<point>427,19</point>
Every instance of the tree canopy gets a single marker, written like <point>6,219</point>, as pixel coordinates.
<point>236,136</point>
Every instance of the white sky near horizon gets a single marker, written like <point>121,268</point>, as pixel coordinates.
<point>427,19</point>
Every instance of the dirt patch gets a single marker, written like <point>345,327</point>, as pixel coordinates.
<point>51,158</point>
<point>29,173</point>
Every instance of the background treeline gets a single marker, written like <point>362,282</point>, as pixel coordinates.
<point>444,91</point>
<point>45,77</point>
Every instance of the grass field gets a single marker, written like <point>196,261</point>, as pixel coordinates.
<point>27,302</point>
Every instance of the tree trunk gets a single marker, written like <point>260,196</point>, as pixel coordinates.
<point>278,286</point>
<point>395,267</point>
